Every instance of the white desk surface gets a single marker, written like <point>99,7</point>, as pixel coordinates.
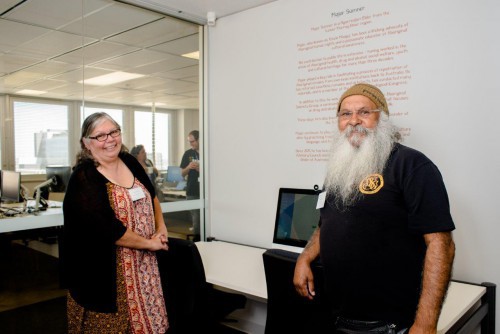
<point>241,268</point>
<point>49,218</point>
<point>234,266</point>
<point>461,297</point>
<point>174,195</point>
<point>173,192</point>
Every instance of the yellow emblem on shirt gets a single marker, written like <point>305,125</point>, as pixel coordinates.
<point>371,184</point>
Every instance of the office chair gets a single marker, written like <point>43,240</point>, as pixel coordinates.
<point>287,311</point>
<point>193,305</point>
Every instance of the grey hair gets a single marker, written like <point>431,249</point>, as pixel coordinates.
<point>136,149</point>
<point>88,126</point>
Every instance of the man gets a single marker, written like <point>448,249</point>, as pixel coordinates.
<point>385,229</point>
<point>190,165</point>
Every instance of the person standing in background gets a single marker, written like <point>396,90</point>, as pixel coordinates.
<point>190,165</point>
<point>139,152</point>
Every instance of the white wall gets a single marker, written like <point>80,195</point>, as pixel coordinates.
<point>450,53</point>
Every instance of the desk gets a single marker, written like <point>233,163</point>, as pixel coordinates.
<point>460,299</point>
<point>234,267</point>
<point>50,218</point>
<point>240,268</point>
<point>173,195</point>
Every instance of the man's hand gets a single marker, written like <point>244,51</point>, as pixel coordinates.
<point>194,165</point>
<point>303,279</point>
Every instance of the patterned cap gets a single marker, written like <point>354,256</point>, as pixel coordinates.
<point>370,91</point>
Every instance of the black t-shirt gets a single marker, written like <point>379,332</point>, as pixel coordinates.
<point>373,251</point>
<point>193,184</point>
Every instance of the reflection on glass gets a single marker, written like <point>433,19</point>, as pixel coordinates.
<point>60,62</point>
<point>190,165</point>
<point>179,224</point>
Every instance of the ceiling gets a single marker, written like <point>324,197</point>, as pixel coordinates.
<point>46,46</point>
<point>196,10</point>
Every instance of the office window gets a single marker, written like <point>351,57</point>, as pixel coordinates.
<point>157,145</point>
<point>40,141</point>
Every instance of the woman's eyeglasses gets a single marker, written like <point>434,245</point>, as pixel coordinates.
<point>103,136</point>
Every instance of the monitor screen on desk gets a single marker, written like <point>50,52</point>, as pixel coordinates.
<point>61,176</point>
<point>10,186</point>
<point>174,174</point>
<point>296,218</point>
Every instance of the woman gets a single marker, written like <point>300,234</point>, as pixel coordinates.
<point>139,153</point>
<point>113,225</point>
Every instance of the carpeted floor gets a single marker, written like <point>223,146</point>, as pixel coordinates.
<point>27,276</point>
<point>30,298</point>
<point>47,317</point>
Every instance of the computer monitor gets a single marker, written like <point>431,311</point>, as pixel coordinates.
<point>296,218</point>
<point>10,186</point>
<point>61,176</point>
<point>174,174</point>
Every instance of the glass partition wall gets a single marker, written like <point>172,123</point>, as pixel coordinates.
<point>62,60</point>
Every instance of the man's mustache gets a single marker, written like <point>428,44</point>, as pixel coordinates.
<point>357,128</point>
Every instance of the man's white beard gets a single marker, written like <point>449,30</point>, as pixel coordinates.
<point>349,164</point>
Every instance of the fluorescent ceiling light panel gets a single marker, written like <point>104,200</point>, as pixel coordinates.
<point>157,104</point>
<point>111,78</point>
<point>192,55</point>
<point>31,92</point>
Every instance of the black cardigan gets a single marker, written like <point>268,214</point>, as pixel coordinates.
<point>88,250</point>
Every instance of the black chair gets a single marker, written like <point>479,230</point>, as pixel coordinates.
<point>193,305</point>
<point>287,312</point>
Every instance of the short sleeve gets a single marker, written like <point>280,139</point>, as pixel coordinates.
<point>427,201</point>
<point>185,160</point>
